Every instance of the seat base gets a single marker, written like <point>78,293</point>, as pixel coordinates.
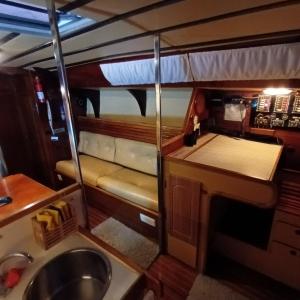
<point>121,209</point>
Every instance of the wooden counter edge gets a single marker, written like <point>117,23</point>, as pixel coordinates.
<point>192,149</point>
<point>29,209</point>
<point>38,204</point>
<point>219,170</point>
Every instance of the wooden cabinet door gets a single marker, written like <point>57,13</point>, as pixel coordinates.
<point>183,208</point>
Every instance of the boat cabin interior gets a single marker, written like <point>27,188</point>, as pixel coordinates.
<point>149,149</point>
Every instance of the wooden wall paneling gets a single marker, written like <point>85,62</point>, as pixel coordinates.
<point>200,105</point>
<point>17,136</point>
<point>140,132</point>
<point>172,144</point>
<point>134,131</point>
<point>51,151</point>
<point>197,107</point>
<point>291,152</point>
<point>183,208</point>
<point>86,76</point>
<point>31,119</point>
<point>188,122</point>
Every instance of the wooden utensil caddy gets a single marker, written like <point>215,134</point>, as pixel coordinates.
<point>48,238</point>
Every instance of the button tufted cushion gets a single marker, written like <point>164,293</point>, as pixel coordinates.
<point>136,155</point>
<point>91,168</point>
<point>97,145</point>
<point>134,186</point>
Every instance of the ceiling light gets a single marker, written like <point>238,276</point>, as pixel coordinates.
<point>277,91</point>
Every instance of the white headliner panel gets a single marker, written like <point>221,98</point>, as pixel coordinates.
<point>264,22</point>
<point>114,31</point>
<point>190,10</point>
<point>283,19</point>
<point>137,45</point>
<point>104,34</point>
<point>111,7</point>
<point>20,44</point>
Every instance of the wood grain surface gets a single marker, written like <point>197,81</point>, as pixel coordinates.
<point>27,195</point>
<point>248,158</point>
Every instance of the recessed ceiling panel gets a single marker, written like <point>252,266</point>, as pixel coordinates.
<point>283,19</point>
<point>123,48</point>
<point>190,10</point>
<point>280,19</point>
<point>115,31</point>
<point>104,34</point>
<point>20,44</point>
<point>109,8</point>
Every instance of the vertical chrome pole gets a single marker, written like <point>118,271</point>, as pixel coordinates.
<point>64,89</point>
<point>159,140</point>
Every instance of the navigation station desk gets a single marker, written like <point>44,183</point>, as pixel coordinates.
<point>238,169</point>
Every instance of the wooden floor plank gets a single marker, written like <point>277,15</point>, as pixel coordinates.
<point>95,216</point>
<point>176,278</point>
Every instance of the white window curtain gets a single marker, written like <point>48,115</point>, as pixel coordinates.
<point>266,62</point>
<point>174,69</point>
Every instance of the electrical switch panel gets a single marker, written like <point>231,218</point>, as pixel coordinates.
<point>264,103</point>
<point>280,111</point>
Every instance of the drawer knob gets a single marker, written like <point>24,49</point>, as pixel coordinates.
<point>293,252</point>
<point>297,231</point>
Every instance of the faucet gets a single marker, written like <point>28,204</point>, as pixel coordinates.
<point>4,290</point>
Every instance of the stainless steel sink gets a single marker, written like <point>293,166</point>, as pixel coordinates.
<point>78,274</point>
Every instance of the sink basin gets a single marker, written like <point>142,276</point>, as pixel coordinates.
<point>78,274</point>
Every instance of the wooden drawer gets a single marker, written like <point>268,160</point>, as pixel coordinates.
<point>281,216</point>
<point>285,264</point>
<point>287,234</point>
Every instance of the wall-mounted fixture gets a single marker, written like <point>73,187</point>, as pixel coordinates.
<point>277,91</point>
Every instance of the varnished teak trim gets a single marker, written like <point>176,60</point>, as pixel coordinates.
<point>27,196</point>
<point>134,131</point>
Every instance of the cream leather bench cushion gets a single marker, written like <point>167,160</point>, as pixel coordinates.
<point>132,185</point>
<point>136,155</point>
<point>97,145</point>
<point>91,168</point>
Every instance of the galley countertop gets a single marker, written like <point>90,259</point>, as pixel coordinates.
<point>17,236</point>
<point>27,195</point>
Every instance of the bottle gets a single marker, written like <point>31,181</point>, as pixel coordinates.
<point>39,90</point>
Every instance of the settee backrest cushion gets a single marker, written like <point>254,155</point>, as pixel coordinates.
<point>136,155</point>
<point>97,145</point>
